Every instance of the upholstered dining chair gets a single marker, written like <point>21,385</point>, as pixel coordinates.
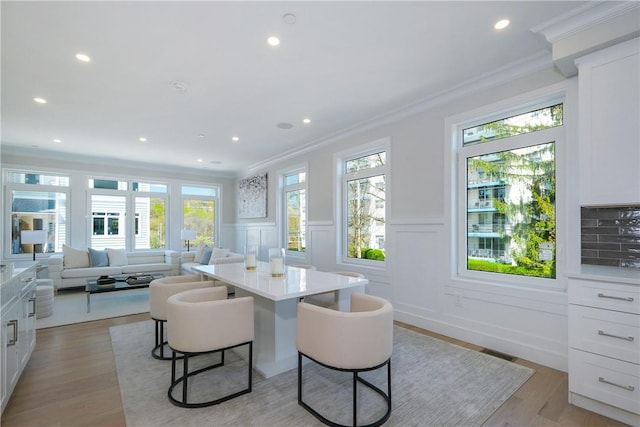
<point>159,292</point>
<point>330,299</point>
<point>204,321</point>
<point>357,341</point>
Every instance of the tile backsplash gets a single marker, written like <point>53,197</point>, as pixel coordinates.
<point>611,236</point>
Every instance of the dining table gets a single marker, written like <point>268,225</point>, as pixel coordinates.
<point>275,305</point>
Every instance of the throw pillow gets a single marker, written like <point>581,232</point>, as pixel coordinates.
<point>217,254</point>
<point>98,258</point>
<point>199,252</point>
<point>206,256</point>
<point>75,258</point>
<point>117,257</point>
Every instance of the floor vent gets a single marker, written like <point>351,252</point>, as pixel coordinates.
<point>497,354</point>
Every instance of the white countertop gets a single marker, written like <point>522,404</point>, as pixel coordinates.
<point>599,272</point>
<point>296,283</point>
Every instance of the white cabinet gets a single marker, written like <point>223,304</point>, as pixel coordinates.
<point>18,333</point>
<point>609,129</point>
<point>604,345</point>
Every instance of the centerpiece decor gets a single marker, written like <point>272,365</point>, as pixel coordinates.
<point>251,257</point>
<point>276,262</point>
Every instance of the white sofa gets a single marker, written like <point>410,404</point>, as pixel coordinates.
<point>76,273</point>
<point>188,261</point>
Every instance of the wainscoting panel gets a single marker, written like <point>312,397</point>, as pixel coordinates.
<point>417,263</point>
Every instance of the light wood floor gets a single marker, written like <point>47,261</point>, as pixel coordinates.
<point>71,380</point>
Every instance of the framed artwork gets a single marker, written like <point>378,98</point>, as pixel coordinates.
<point>252,197</point>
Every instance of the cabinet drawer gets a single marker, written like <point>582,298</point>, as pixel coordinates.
<point>605,332</point>
<point>607,295</point>
<point>608,380</point>
<point>10,292</point>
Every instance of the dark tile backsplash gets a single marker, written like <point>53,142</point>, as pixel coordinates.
<point>611,236</point>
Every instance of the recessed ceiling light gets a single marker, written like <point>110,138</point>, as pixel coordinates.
<point>201,135</point>
<point>289,18</point>
<point>82,57</point>
<point>142,139</point>
<point>273,41</point>
<point>284,125</point>
<point>235,139</point>
<point>40,100</point>
<point>501,24</point>
<point>199,160</point>
<point>57,141</point>
<point>306,120</point>
<point>215,162</point>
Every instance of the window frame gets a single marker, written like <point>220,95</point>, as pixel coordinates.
<point>130,193</point>
<point>10,187</point>
<point>299,256</point>
<point>556,94</point>
<point>217,190</point>
<point>342,228</point>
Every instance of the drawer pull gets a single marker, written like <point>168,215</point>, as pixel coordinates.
<point>614,336</point>
<point>626,387</point>
<point>14,339</point>
<point>601,295</point>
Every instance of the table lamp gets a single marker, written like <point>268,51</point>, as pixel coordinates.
<point>187,235</point>
<point>33,237</point>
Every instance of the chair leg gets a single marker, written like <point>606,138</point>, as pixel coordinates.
<point>158,349</point>
<point>186,374</point>
<point>356,379</point>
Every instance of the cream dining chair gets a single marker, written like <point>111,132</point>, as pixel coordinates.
<point>356,341</point>
<point>204,321</point>
<point>159,292</point>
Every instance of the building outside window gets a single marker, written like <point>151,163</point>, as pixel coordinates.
<point>199,213</point>
<point>38,202</point>
<point>364,199</point>
<point>128,214</point>
<point>295,210</point>
<point>509,174</point>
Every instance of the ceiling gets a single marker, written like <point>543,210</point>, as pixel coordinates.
<point>189,76</point>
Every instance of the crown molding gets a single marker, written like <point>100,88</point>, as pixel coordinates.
<point>582,18</point>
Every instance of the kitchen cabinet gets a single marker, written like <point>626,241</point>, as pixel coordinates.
<point>18,333</point>
<point>604,336</point>
<point>608,131</point>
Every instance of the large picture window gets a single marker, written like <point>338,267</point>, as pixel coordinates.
<point>508,169</point>
<point>364,189</point>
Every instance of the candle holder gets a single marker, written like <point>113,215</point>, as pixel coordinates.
<point>276,262</point>
<point>251,257</point>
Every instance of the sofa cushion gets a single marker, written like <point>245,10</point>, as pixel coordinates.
<point>145,268</point>
<point>117,257</point>
<point>206,256</point>
<point>199,252</point>
<point>98,258</point>
<point>75,258</point>
<point>217,254</point>
<point>90,272</point>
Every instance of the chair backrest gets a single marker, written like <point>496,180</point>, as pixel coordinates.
<point>204,320</point>
<point>361,338</point>
<point>161,289</point>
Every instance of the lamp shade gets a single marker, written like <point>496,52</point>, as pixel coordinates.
<point>33,236</point>
<point>187,234</point>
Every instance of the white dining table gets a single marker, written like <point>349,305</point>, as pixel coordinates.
<point>275,301</point>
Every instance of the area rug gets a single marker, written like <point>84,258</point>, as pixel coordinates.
<point>70,306</point>
<point>434,383</point>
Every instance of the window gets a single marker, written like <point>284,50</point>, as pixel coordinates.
<point>295,210</point>
<point>508,170</point>
<point>199,212</point>
<point>364,185</point>
<point>38,202</point>
<point>119,207</point>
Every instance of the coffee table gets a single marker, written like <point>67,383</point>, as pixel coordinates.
<point>120,284</point>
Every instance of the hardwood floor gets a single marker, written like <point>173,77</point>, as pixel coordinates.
<point>71,381</point>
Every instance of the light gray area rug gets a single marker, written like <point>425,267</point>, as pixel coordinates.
<point>70,306</point>
<point>434,383</point>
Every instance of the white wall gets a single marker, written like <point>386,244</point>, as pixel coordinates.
<point>527,323</point>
